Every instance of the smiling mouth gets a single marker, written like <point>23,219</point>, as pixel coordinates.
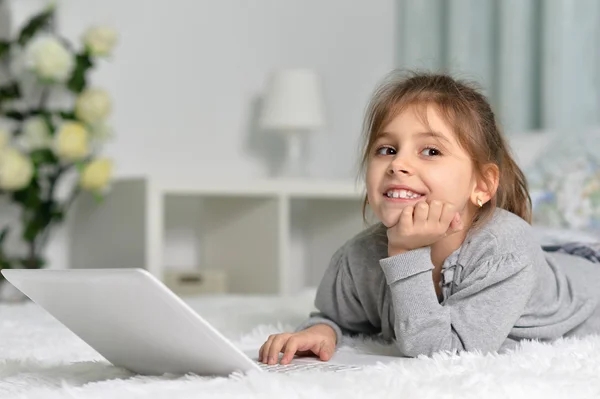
<point>402,194</point>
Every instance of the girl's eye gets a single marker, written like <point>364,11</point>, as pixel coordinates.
<point>385,151</point>
<point>431,152</point>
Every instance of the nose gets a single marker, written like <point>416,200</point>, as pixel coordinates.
<point>399,166</point>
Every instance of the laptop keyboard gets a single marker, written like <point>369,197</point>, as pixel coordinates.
<point>299,367</point>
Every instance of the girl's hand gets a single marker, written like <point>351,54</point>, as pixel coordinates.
<point>422,225</point>
<point>319,340</point>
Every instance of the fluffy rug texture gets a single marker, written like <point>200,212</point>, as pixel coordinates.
<point>42,359</point>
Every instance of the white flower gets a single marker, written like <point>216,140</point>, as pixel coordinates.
<point>49,59</point>
<point>96,175</point>
<point>4,138</point>
<point>16,170</point>
<point>72,141</point>
<point>36,135</point>
<point>93,106</point>
<point>100,40</point>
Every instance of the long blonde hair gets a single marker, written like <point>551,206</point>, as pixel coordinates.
<point>472,120</point>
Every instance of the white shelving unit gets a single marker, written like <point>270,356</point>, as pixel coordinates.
<point>271,236</point>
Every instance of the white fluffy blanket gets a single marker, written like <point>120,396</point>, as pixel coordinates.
<point>42,359</point>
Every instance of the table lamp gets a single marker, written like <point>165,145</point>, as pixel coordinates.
<point>293,105</point>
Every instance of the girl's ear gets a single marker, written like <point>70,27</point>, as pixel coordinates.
<point>486,185</point>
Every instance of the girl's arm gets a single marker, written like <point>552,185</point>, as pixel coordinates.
<point>337,300</point>
<point>477,317</point>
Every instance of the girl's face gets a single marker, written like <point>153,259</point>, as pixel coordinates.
<point>410,163</point>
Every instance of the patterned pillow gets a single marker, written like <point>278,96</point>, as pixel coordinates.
<point>564,182</point>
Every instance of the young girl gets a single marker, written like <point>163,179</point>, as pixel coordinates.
<point>453,263</point>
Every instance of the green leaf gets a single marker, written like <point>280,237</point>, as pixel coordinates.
<point>80,166</point>
<point>4,234</point>
<point>68,115</point>
<point>58,216</point>
<point>41,218</point>
<point>43,156</point>
<point>4,264</point>
<point>4,48</point>
<point>98,197</point>
<point>10,92</point>
<point>35,24</point>
<point>29,197</point>
<point>15,115</point>
<point>32,263</point>
<point>47,116</point>
<point>77,83</point>
<point>32,230</point>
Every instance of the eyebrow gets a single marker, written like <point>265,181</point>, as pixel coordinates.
<point>432,134</point>
<point>435,135</point>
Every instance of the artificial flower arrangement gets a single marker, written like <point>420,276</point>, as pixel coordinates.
<point>43,144</point>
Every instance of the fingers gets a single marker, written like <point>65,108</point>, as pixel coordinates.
<point>406,218</point>
<point>276,347</point>
<point>420,214</point>
<point>435,211</point>
<point>264,349</point>
<point>291,347</point>
<point>325,351</point>
<point>448,213</point>
<point>456,225</point>
<point>423,225</point>
<point>292,344</point>
<point>451,219</point>
<point>269,351</point>
<point>260,352</point>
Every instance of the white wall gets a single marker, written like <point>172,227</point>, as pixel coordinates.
<point>187,73</point>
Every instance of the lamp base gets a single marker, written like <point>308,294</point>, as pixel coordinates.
<point>294,164</point>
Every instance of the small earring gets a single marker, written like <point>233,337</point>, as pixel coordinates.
<point>479,202</point>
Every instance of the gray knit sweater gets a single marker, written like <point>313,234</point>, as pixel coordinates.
<point>498,288</point>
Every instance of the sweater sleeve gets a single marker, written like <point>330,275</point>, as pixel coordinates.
<point>477,317</point>
<point>337,301</point>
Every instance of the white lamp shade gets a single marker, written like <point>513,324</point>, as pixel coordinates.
<point>293,101</point>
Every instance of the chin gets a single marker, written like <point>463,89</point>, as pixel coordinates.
<point>389,218</point>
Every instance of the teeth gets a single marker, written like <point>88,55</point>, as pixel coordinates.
<point>402,194</point>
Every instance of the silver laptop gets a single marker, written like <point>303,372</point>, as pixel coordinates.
<point>134,321</point>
